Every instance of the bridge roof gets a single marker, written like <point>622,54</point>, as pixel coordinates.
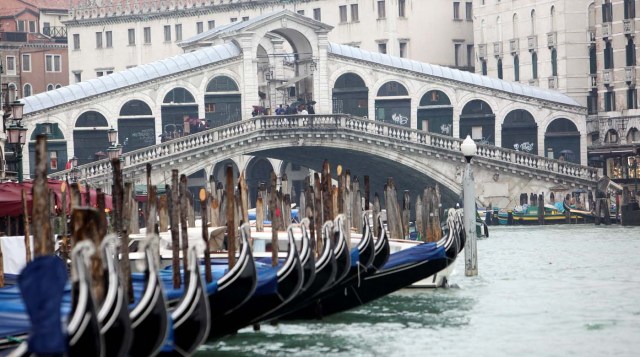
<point>132,76</point>
<point>452,74</point>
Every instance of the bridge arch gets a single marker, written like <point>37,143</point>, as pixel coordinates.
<point>56,146</point>
<point>350,95</point>
<point>562,140</point>
<point>477,119</point>
<point>520,131</point>
<point>219,171</point>
<point>258,170</point>
<point>136,125</point>
<point>393,103</point>
<point>222,101</point>
<point>178,105</point>
<point>435,113</point>
<point>90,137</point>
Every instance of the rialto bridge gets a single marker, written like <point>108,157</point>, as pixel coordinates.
<point>376,114</point>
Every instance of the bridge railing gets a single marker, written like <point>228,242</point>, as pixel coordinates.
<point>339,122</point>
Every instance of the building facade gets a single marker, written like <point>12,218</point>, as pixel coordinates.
<point>113,36</point>
<point>584,48</point>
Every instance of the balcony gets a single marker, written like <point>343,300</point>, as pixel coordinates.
<point>497,49</point>
<point>55,31</point>
<point>482,51</point>
<point>514,46</point>
<point>591,35</point>
<point>533,82</point>
<point>532,43</point>
<point>607,76</point>
<point>593,81</point>
<point>606,29</point>
<point>628,27</point>
<point>630,74</point>
<point>553,82</point>
<point>552,39</point>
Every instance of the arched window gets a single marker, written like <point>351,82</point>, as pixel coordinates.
<point>611,137</point>
<point>552,19</point>
<point>136,126</point>
<point>483,63</point>
<point>631,52</point>
<point>49,87</point>
<point>608,55</point>
<point>562,140</point>
<point>516,68</point>
<point>515,26</point>
<point>500,68</point>
<point>58,86</point>
<point>26,90</point>
<point>554,62</point>
<point>435,113</point>
<point>350,95</point>
<point>222,102</point>
<point>499,28</point>
<point>391,109</point>
<point>178,110</point>
<point>633,136</point>
<point>90,140</point>
<point>534,65</point>
<point>533,22</point>
<point>478,120</point>
<point>520,132</point>
<point>629,9</point>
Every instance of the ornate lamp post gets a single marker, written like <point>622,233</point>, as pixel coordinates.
<point>112,135</point>
<point>468,149</point>
<point>114,152</point>
<point>16,133</point>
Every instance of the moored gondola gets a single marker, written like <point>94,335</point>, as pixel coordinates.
<point>191,316</point>
<point>402,269</point>
<point>382,247</point>
<point>149,317</point>
<point>289,281</point>
<point>113,315</point>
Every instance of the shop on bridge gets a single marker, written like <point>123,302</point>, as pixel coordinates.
<point>222,102</point>
<point>435,113</point>
<point>136,126</point>
<point>350,95</point>
<point>562,141</point>
<point>478,121</point>
<point>393,104</point>
<point>90,140</point>
<point>178,107</point>
<point>520,132</point>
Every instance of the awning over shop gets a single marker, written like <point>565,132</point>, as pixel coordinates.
<point>291,82</point>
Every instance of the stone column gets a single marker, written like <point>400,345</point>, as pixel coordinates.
<point>278,73</point>
<point>321,77</point>
<point>249,74</point>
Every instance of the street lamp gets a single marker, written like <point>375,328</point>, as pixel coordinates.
<point>16,133</point>
<point>75,174</point>
<point>74,161</point>
<point>468,148</point>
<point>114,152</point>
<point>112,135</point>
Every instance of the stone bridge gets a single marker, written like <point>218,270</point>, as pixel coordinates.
<point>414,158</point>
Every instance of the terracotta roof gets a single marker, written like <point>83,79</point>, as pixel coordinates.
<point>4,12</point>
<point>49,4</point>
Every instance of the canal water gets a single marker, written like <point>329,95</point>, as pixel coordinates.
<point>541,291</point>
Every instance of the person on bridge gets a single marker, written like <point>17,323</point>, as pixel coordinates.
<point>302,110</point>
<point>280,110</point>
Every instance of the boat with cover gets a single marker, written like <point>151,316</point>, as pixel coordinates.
<point>528,215</point>
<point>401,270</point>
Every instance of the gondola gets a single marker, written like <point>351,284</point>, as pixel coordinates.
<point>236,286</point>
<point>113,315</point>
<point>307,257</point>
<point>382,247</point>
<point>289,281</point>
<point>402,269</point>
<point>149,317</point>
<point>42,286</point>
<point>191,316</point>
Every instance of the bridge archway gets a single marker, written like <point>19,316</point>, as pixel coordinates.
<point>478,120</point>
<point>435,113</point>
<point>350,95</point>
<point>136,126</point>
<point>90,137</point>
<point>220,169</point>
<point>178,104</point>
<point>562,140</point>
<point>222,101</point>
<point>520,132</point>
<point>393,104</point>
<point>56,147</point>
<point>258,170</point>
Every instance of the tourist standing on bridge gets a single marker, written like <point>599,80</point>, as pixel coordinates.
<point>302,110</point>
<point>280,110</point>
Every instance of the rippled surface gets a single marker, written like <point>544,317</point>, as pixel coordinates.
<point>542,291</point>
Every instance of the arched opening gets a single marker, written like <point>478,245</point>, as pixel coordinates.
<point>630,50</point>
<point>562,141</point>
<point>393,104</point>
<point>516,68</point>
<point>608,55</point>
<point>90,140</point>
<point>534,65</point>
<point>222,102</point>
<point>552,18</point>
<point>56,147</point>
<point>554,62</point>
<point>633,136</point>
<point>515,26</point>
<point>350,95</point>
<point>27,90</point>
<point>136,126</point>
<point>520,132</point>
<point>611,137</point>
<point>220,169</point>
<point>435,113</point>
<point>478,121</point>
<point>178,107</point>
<point>258,171</point>
<point>533,22</point>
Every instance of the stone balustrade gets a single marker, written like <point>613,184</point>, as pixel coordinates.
<point>343,124</point>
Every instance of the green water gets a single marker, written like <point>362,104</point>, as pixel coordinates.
<point>542,291</point>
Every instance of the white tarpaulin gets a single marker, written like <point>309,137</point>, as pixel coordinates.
<point>13,254</point>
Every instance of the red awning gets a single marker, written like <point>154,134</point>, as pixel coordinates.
<point>11,197</point>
